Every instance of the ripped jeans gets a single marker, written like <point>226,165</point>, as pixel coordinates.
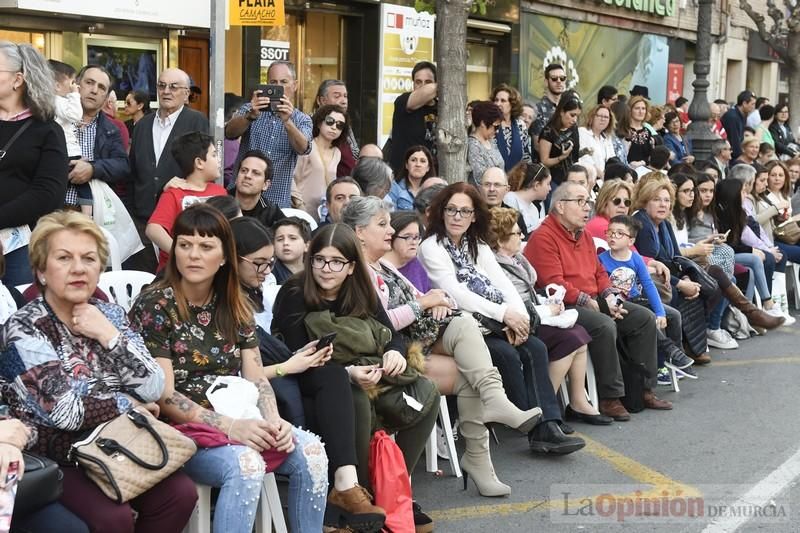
<point>238,471</point>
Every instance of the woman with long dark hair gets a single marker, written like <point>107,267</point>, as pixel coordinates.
<point>559,143</point>
<point>459,261</point>
<point>418,167</point>
<point>335,294</point>
<point>199,326</point>
<point>781,130</point>
<point>511,138</point>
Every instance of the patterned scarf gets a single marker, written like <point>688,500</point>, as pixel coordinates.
<point>467,273</point>
<point>425,329</point>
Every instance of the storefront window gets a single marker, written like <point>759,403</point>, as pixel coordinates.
<point>315,47</point>
<point>479,71</point>
<point>32,38</point>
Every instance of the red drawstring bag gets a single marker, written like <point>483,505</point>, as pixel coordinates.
<point>390,483</point>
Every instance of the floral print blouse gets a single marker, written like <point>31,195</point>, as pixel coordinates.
<point>197,349</point>
<point>62,385</point>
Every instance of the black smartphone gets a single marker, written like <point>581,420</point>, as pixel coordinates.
<point>274,93</point>
<point>325,340</point>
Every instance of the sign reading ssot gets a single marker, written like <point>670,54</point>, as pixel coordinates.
<point>257,13</point>
<point>406,38</point>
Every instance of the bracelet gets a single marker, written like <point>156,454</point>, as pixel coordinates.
<point>347,369</point>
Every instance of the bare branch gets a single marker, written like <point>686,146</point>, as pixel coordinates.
<point>772,38</point>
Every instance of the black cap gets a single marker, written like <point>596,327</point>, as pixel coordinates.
<point>640,90</point>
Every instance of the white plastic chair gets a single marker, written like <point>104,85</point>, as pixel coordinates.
<point>591,385</point>
<point>269,515</point>
<point>431,458</point>
<point>123,286</point>
<point>22,288</point>
<point>114,256</point>
<point>600,245</point>
<point>299,213</point>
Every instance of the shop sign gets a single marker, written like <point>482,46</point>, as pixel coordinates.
<point>406,39</point>
<point>674,82</point>
<point>661,8</point>
<point>257,13</point>
<point>272,51</point>
<point>189,13</point>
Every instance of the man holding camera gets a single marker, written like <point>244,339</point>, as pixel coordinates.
<point>272,124</point>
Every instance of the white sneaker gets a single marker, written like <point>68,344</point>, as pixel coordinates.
<point>775,311</point>
<point>789,319</point>
<point>719,338</point>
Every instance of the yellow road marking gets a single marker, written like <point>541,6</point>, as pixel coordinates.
<point>623,464</point>
<point>766,360</point>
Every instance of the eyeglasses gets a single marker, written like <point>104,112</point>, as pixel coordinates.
<point>464,212</point>
<point>558,78</point>
<point>615,234</point>
<point>490,186</point>
<point>687,191</point>
<point>618,201</point>
<point>260,267</point>
<point>582,202</point>
<point>338,124</point>
<point>161,86</point>
<point>335,265</point>
<point>410,238</point>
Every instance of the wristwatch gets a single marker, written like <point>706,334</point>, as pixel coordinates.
<point>279,371</point>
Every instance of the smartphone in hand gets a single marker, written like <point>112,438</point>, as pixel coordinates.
<point>325,341</point>
<point>274,93</point>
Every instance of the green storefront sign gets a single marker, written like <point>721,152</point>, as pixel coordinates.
<point>661,8</point>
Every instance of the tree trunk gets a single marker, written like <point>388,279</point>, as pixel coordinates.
<point>793,70</point>
<point>451,64</point>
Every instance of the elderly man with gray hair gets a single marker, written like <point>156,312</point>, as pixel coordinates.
<point>563,253</point>
<point>721,157</point>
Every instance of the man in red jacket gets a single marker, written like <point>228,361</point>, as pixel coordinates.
<point>564,254</point>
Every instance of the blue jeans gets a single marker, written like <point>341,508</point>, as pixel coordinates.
<point>44,519</point>
<point>18,268</point>
<point>239,471</point>
<point>756,266</point>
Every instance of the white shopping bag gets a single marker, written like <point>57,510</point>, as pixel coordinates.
<point>109,213</point>
<point>555,296</point>
<point>234,397</point>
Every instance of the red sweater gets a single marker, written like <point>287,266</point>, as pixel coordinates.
<point>559,257</point>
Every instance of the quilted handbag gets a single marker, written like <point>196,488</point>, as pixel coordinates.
<point>129,455</point>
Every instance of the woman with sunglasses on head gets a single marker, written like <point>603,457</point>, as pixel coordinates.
<point>335,294</point>
<point>613,199</point>
<point>315,170</point>
<point>199,326</point>
<point>482,152</point>
<point>324,384</point>
<point>459,261</point>
<point>418,167</point>
<point>560,145</point>
<point>529,185</point>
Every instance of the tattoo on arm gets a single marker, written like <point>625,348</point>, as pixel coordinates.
<point>266,400</point>
<point>190,412</point>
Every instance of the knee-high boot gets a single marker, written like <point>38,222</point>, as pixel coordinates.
<point>756,317</point>
<point>476,461</point>
<point>463,340</point>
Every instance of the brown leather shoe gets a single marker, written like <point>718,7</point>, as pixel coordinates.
<point>651,401</point>
<point>613,407</point>
<point>702,359</point>
<point>357,510</point>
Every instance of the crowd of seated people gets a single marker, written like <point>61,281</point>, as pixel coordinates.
<point>627,257</point>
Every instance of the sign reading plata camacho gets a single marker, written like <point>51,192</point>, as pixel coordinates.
<point>257,13</point>
<point>661,8</point>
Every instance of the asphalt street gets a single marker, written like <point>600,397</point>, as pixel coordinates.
<point>726,458</point>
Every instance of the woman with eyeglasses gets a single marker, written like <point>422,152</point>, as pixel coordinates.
<point>680,147</point>
<point>529,185</point>
<point>418,167</point>
<point>315,170</point>
<point>511,137</point>
<point>324,384</point>
<point>335,294</point>
<point>482,152</point>
<point>405,242</point>
<point>559,144</point>
<point>459,261</point>
<point>613,199</point>
<point>596,139</point>
<point>781,130</point>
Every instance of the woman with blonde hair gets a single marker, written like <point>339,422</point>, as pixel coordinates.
<point>613,199</point>
<point>596,136</point>
<point>638,138</point>
<point>511,138</point>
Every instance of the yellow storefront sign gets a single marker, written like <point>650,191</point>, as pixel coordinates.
<point>257,13</point>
